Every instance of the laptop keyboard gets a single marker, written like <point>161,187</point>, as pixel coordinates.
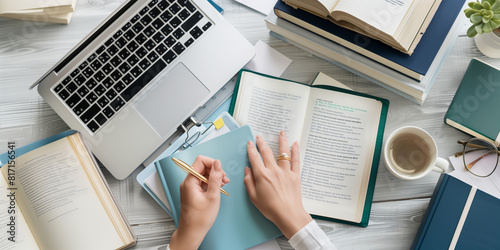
<point>118,69</point>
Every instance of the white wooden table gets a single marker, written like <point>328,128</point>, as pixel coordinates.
<point>28,49</point>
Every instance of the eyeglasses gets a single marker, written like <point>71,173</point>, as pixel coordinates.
<point>480,156</point>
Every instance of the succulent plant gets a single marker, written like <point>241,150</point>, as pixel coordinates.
<point>484,16</point>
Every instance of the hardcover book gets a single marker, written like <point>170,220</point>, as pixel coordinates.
<point>474,108</point>
<point>459,216</point>
<point>360,65</point>
<point>399,24</point>
<point>415,66</point>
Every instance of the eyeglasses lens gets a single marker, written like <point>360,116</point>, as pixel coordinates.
<point>480,157</point>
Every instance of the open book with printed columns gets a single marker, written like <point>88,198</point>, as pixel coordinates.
<point>398,23</point>
<point>339,132</point>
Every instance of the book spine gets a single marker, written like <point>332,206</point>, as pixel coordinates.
<point>436,196</point>
<point>161,174</point>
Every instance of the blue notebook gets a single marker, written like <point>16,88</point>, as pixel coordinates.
<point>460,216</point>
<point>416,64</point>
<point>239,224</point>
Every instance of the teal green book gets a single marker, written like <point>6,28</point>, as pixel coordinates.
<point>474,109</point>
<point>239,224</point>
<point>339,133</point>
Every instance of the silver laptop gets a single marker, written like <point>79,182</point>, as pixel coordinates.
<point>130,84</point>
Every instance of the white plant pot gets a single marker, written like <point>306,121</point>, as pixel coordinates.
<point>489,44</point>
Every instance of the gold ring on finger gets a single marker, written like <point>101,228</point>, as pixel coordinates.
<point>284,156</point>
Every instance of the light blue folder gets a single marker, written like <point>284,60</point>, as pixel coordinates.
<point>239,224</point>
<point>221,112</point>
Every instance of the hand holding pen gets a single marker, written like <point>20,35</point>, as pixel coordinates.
<point>200,203</point>
<point>189,170</point>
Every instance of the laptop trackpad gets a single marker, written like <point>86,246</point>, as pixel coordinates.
<point>171,99</point>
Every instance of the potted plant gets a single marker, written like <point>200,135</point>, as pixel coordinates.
<point>485,19</point>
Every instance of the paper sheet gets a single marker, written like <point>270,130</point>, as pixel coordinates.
<point>268,60</point>
<point>324,79</point>
<point>154,183</point>
<point>262,6</point>
<point>490,185</point>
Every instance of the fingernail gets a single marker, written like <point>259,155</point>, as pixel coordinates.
<point>282,132</point>
<point>259,137</point>
<point>217,165</point>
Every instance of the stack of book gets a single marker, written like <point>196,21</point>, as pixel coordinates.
<point>59,11</point>
<point>411,76</point>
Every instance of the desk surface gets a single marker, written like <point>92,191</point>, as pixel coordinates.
<point>29,49</point>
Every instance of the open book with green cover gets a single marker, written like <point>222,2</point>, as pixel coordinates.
<point>55,197</point>
<point>339,132</point>
<point>398,23</point>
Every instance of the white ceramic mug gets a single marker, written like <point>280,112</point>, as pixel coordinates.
<point>410,153</point>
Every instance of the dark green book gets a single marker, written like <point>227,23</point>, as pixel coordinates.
<point>339,133</point>
<point>474,109</point>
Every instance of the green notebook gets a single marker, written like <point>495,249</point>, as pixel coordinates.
<point>239,224</point>
<point>339,132</point>
<point>474,109</point>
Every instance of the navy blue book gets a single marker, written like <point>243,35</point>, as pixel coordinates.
<point>415,66</point>
<point>459,216</point>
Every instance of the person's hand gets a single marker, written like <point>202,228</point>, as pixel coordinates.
<point>274,187</point>
<point>200,204</point>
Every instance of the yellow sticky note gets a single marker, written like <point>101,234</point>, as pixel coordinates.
<point>219,123</point>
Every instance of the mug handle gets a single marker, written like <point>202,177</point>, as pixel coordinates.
<point>441,165</point>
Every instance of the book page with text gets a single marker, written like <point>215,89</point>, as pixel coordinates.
<point>20,235</point>
<point>270,105</point>
<point>385,15</point>
<point>62,208</point>
<point>336,149</point>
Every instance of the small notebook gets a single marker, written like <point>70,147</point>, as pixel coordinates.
<point>474,109</point>
<point>239,224</point>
